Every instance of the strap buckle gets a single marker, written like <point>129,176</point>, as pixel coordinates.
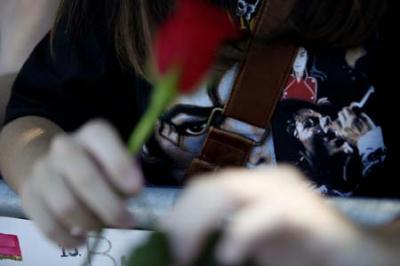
<point>217,118</point>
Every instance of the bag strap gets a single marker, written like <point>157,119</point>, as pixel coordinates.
<point>255,94</point>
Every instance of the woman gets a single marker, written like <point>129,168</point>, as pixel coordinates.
<point>73,175</point>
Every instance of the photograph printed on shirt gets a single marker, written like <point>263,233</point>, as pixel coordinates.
<point>326,122</point>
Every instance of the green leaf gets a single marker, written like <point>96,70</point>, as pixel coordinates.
<point>207,257</point>
<point>156,252</point>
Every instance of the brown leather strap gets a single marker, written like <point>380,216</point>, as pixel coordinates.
<point>273,15</point>
<point>255,94</point>
<point>220,149</point>
<point>260,81</point>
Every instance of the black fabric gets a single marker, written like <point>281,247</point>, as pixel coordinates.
<point>70,81</point>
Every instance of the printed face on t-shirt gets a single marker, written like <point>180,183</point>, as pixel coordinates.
<point>300,62</point>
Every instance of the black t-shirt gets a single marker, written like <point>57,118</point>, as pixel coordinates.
<point>83,79</point>
<point>70,80</point>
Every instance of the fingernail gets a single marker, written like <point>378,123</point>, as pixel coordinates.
<point>76,231</point>
<point>133,181</point>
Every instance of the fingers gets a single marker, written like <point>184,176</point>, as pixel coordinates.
<point>62,202</point>
<point>274,218</point>
<point>81,185</point>
<point>347,117</point>
<point>88,182</point>
<point>47,223</point>
<point>209,201</point>
<point>103,142</point>
<point>201,209</point>
<point>249,229</point>
<point>368,121</point>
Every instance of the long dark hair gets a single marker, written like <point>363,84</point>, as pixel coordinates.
<point>337,23</point>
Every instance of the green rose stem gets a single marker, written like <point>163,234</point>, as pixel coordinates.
<point>163,94</point>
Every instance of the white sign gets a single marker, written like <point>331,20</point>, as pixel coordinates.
<point>113,249</point>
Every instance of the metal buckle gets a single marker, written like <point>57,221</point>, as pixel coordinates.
<point>264,136</point>
<point>213,116</point>
<point>217,113</point>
